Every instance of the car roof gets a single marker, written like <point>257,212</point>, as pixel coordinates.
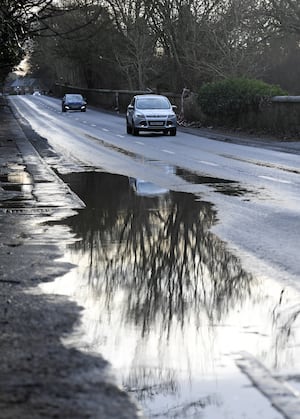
<point>73,94</point>
<point>145,188</point>
<point>148,96</point>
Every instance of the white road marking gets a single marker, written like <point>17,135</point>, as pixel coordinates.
<point>105,129</point>
<point>84,122</point>
<point>274,179</point>
<point>209,163</point>
<point>121,136</point>
<point>93,125</point>
<point>168,151</point>
<point>139,142</point>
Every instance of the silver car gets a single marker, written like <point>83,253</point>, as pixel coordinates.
<point>151,113</point>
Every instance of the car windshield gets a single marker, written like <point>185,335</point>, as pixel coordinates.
<point>74,98</point>
<point>153,103</point>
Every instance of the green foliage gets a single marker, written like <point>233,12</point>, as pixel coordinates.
<point>234,96</point>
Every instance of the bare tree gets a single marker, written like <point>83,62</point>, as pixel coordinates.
<point>167,44</point>
<point>205,40</point>
<point>284,14</point>
<point>136,42</point>
<point>23,19</point>
<point>83,57</point>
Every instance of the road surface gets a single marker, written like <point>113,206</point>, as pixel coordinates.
<point>254,193</point>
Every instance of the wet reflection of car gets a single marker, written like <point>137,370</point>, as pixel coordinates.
<point>144,188</point>
<point>151,113</point>
<point>73,102</point>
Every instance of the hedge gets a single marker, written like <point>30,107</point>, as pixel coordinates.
<point>231,97</point>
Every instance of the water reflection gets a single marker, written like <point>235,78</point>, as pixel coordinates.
<point>145,188</point>
<point>16,187</point>
<point>165,300</point>
<point>160,252</point>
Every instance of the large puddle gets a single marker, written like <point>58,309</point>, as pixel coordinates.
<point>167,304</point>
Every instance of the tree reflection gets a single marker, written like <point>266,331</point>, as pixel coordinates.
<point>157,250</point>
<point>149,382</point>
<point>285,320</point>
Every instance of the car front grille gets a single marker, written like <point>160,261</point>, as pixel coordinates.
<point>156,123</point>
<point>154,116</point>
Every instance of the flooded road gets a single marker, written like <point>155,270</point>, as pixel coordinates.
<point>169,306</point>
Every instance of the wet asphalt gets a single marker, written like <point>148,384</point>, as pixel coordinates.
<point>41,377</point>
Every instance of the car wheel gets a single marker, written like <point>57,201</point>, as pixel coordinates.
<point>128,128</point>
<point>63,109</point>
<point>83,110</point>
<point>165,132</point>
<point>135,131</point>
<point>173,132</point>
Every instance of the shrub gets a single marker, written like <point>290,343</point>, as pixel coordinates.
<point>231,97</point>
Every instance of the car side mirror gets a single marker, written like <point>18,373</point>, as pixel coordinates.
<point>174,107</point>
<point>130,107</point>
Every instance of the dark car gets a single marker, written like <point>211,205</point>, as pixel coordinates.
<point>73,102</point>
<point>151,113</point>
